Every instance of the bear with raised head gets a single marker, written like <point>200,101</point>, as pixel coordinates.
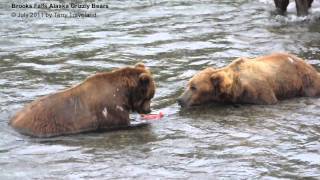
<point>103,101</point>
<point>262,80</point>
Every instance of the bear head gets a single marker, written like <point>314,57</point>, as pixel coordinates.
<point>209,85</point>
<point>143,90</point>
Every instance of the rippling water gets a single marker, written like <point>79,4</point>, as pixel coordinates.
<point>175,39</point>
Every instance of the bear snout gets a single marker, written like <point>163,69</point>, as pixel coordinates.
<point>145,108</point>
<point>180,102</point>
<point>185,100</point>
<point>144,111</point>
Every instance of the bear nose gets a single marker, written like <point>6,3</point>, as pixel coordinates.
<point>180,102</point>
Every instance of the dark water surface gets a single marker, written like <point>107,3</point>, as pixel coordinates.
<point>175,39</point>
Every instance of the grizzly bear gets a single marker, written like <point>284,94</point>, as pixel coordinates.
<point>103,101</point>
<point>262,80</point>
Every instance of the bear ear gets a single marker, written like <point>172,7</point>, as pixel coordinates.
<point>140,65</point>
<point>144,79</point>
<point>216,80</point>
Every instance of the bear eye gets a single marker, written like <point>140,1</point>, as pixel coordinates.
<point>193,88</point>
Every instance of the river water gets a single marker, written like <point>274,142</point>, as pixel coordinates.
<point>175,39</point>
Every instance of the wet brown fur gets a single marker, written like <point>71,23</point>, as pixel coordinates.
<point>102,101</point>
<point>262,80</point>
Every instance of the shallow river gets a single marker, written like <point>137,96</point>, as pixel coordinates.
<point>175,39</point>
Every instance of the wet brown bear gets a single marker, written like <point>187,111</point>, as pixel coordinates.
<point>262,80</point>
<point>102,101</point>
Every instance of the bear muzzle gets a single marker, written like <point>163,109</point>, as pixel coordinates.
<point>184,99</point>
